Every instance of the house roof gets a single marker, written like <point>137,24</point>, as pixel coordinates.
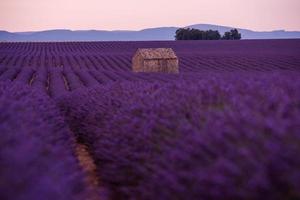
<point>157,53</point>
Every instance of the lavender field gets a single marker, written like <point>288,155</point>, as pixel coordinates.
<point>226,127</point>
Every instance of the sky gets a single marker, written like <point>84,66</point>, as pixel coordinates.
<point>35,15</point>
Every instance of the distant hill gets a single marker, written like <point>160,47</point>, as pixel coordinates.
<point>160,33</point>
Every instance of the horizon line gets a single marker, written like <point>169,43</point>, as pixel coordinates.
<point>137,30</point>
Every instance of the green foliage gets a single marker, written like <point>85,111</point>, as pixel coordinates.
<point>232,35</point>
<point>196,34</point>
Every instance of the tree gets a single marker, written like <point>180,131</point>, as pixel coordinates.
<point>179,34</point>
<point>235,34</point>
<point>213,35</point>
<point>196,34</point>
<point>232,35</point>
<point>226,36</point>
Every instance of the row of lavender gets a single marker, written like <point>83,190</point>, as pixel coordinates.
<point>226,136</point>
<point>37,158</point>
<point>119,63</point>
<point>194,56</point>
<point>56,68</point>
<point>246,47</point>
<point>59,81</point>
<point>228,133</point>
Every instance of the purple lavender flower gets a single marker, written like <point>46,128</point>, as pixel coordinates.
<point>36,148</point>
<point>225,136</point>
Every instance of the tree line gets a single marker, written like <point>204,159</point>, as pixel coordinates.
<point>196,34</point>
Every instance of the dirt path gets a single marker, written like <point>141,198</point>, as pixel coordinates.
<point>97,192</point>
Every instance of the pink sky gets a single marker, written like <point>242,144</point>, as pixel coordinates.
<point>32,15</point>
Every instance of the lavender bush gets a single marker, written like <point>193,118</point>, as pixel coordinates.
<point>56,68</point>
<point>226,127</point>
<point>36,149</point>
<point>225,136</point>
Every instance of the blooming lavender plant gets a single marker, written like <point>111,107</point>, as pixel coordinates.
<point>225,136</point>
<point>226,127</point>
<point>36,148</point>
